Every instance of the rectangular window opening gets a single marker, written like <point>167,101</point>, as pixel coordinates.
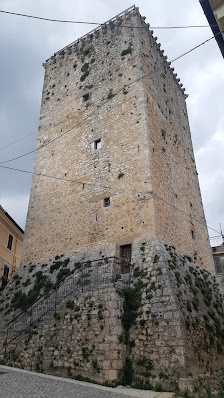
<point>97,144</point>
<point>106,202</point>
<point>6,272</point>
<point>218,265</point>
<point>125,255</point>
<point>10,240</point>
<point>125,252</point>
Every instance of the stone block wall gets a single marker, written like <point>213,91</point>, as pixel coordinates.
<point>81,338</point>
<point>168,325</point>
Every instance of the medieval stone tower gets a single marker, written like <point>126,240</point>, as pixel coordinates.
<point>115,176</point>
<point>114,133</point>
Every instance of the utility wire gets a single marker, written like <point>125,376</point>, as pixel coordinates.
<point>106,101</point>
<point>103,24</point>
<point>57,178</point>
<point>186,214</point>
<point>93,184</point>
<point>28,153</point>
<point>20,139</point>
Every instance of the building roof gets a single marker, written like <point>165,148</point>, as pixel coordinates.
<point>11,219</point>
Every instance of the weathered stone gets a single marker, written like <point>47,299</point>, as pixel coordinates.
<point>112,375</point>
<point>185,385</point>
<point>106,365</point>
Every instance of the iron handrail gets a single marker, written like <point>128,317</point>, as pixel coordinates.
<point>61,290</point>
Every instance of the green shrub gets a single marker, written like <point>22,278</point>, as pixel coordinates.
<point>32,267</point>
<point>120,175</point>
<point>211,313</point>
<point>100,316</point>
<point>188,304</point>
<point>132,302</point>
<point>70,304</point>
<point>62,273</point>
<point>187,323</point>
<point>69,370</point>
<point>163,134</point>
<point>55,265</point>
<point>125,52</point>
<point>141,384</point>
<point>65,262</point>
<point>147,363</point>
<point>85,71</point>
<point>156,259</point>
<point>95,365</point>
<point>128,372</point>
<point>110,94</point>
<point>85,353</point>
<point>195,303</point>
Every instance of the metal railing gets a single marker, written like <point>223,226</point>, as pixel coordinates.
<point>82,278</point>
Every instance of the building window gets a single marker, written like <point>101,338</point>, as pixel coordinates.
<point>97,144</point>
<point>218,265</point>
<point>125,254</point>
<point>5,277</point>
<point>6,272</point>
<point>106,202</point>
<point>10,240</point>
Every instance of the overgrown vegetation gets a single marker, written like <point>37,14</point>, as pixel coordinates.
<point>132,302</point>
<point>22,300</point>
<point>126,51</point>
<point>85,71</point>
<point>110,94</point>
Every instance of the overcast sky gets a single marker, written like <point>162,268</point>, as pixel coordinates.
<point>26,43</point>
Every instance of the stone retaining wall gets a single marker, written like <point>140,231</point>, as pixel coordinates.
<point>168,325</point>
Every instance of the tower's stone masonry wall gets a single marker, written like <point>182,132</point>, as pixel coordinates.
<point>146,152</point>
<point>70,216</point>
<point>178,206</point>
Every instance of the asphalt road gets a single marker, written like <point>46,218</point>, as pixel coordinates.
<point>18,383</point>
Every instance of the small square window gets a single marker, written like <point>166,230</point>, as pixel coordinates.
<point>10,240</point>
<point>106,202</point>
<point>97,144</point>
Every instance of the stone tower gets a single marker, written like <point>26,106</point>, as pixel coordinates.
<point>114,133</point>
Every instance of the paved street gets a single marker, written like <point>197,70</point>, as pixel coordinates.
<point>17,383</point>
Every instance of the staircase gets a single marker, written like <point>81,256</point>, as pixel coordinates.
<point>82,278</point>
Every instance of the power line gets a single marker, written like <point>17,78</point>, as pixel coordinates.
<point>57,178</point>
<point>103,24</point>
<point>20,139</point>
<point>103,103</point>
<point>107,187</point>
<point>181,211</point>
